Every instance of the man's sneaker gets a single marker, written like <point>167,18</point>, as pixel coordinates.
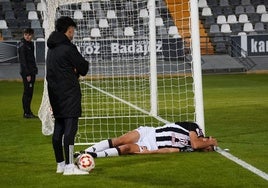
<point>60,167</point>
<point>71,169</point>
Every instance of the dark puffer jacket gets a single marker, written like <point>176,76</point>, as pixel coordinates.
<point>64,66</point>
<point>26,58</point>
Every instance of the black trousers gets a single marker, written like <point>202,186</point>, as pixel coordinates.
<point>27,94</point>
<point>63,137</point>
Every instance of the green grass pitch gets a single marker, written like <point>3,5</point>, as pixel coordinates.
<point>236,112</point>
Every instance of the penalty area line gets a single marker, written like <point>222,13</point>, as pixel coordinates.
<point>243,163</point>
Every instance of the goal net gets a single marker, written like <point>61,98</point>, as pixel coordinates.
<point>144,63</point>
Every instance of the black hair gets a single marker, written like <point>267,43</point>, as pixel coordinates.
<point>63,23</point>
<point>29,31</point>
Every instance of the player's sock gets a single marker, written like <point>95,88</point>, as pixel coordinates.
<point>100,146</point>
<point>111,152</point>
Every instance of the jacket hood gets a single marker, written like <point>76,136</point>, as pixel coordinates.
<point>56,39</point>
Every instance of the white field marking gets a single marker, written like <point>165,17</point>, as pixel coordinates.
<point>243,163</point>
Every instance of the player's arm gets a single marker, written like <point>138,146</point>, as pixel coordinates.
<point>81,66</point>
<point>158,151</point>
<point>201,142</point>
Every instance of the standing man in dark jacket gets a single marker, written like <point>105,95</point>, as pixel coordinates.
<point>64,66</point>
<point>28,70</point>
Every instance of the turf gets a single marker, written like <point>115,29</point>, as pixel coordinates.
<point>236,109</point>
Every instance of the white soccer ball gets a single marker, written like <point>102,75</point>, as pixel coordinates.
<point>86,162</point>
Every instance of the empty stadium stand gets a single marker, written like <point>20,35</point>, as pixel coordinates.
<point>219,19</point>
<point>16,15</point>
<point>226,18</point>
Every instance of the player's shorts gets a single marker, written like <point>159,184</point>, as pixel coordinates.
<point>147,138</point>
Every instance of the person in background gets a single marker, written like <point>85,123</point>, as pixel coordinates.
<point>64,66</point>
<point>28,70</point>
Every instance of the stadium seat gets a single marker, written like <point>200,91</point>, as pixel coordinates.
<point>96,5</point>
<point>173,30</point>
<point>234,2</point>
<point>162,31</point>
<point>261,9</point>
<point>22,15</point>
<point>259,27</point>
<point>248,27</point>
<point>209,21</point>
<point>41,7</point>
<point>212,3</point>
<point>264,17</point>
<point>159,21</point>
<point>99,13</point>
<point>256,2</point>
<point>39,33</point>
<point>30,6</point>
<point>249,9</point>
<point>202,3</point>
<point>228,10</point>
<point>217,10</point>
<point>214,29</point>
<point>128,31</point>
<point>113,23</point>
<point>221,19</point>
<point>129,6</point>
<point>78,15</point>
<point>255,18</point>
<point>224,3</point>
<point>25,24</point>
<point>32,15</point>
<point>9,15</point>
<point>245,2</point>
<point>6,6</point>
<point>13,24</point>
<point>103,23</point>
<point>236,28</point>
<point>118,32</point>
<point>243,18</point>
<point>111,14</point>
<point>206,11</point>
<point>6,34</point>
<point>95,33</point>
<point>143,13</point>
<point>225,28</point>
<point>3,24</point>
<point>239,10</point>
<point>35,24</point>
<point>232,19</point>
<point>85,6</point>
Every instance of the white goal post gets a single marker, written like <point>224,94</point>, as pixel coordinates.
<point>145,64</point>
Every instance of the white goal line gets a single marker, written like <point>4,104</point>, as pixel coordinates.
<point>242,163</point>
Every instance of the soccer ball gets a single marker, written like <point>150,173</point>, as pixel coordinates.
<point>85,162</point>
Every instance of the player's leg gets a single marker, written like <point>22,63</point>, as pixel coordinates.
<point>116,151</point>
<point>71,126</point>
<point>57,144</point>
<point>128,138</point>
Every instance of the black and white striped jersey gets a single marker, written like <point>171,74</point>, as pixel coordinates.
<point>176,135</point>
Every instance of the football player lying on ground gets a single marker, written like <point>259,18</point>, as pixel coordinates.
<point>170,138</point>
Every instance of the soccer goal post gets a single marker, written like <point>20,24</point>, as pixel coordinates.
<point>145,65</point>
